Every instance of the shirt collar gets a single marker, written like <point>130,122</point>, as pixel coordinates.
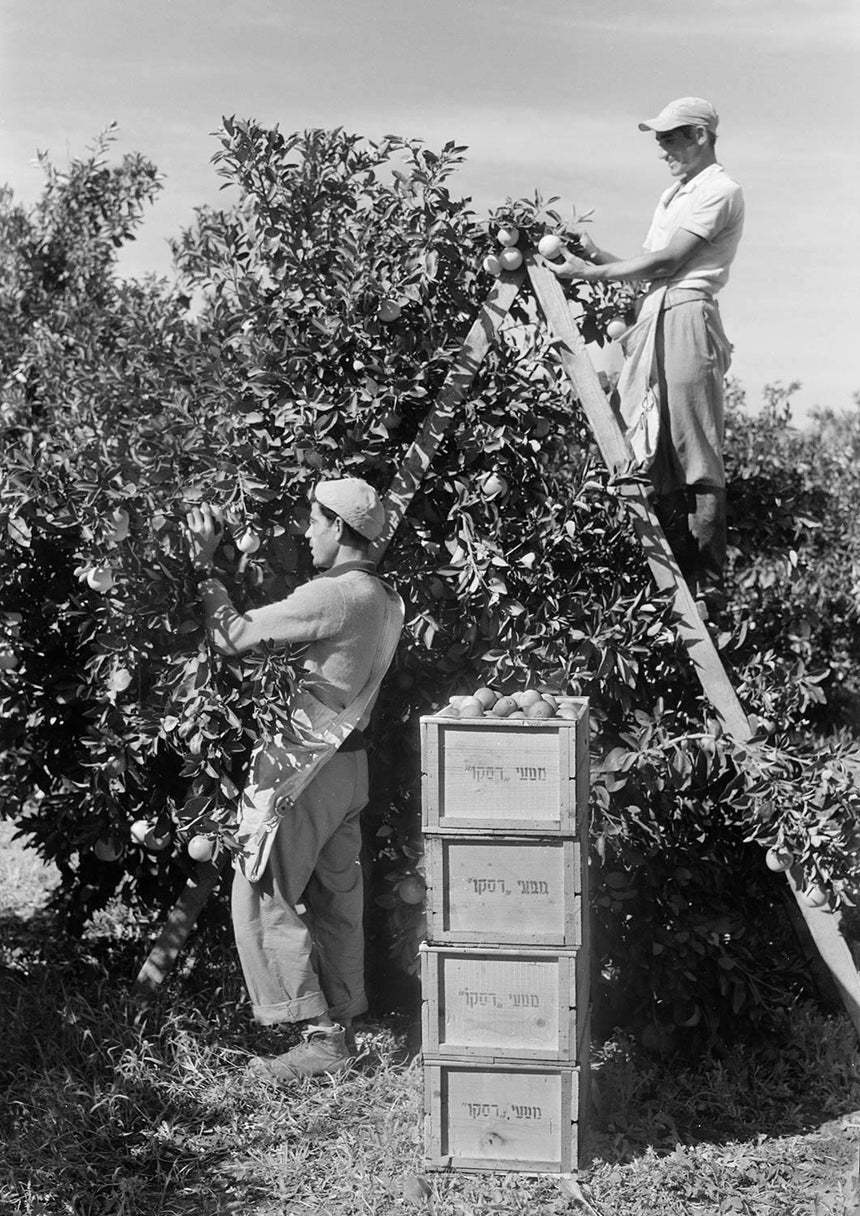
<point>692,184</point>
<point>366,567</point>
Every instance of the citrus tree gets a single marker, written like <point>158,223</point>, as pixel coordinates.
<point>311,325</point>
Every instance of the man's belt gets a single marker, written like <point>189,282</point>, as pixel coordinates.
<point>354,742</point>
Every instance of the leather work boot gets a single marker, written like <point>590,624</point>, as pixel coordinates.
<point>323,1049</point>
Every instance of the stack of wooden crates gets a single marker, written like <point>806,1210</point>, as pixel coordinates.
<point>505,967</point>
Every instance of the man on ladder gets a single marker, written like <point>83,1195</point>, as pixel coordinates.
<point>676,354</point>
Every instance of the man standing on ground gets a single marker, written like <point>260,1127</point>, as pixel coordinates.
<point>676,353</point>
<point>300,810</point>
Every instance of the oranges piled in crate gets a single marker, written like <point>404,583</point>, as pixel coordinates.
<point>528,703</point>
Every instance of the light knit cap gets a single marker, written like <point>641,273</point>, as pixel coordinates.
<point>684,112</point>
<point>356,502</point>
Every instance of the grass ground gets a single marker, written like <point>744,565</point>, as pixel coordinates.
<point>107,1109</point>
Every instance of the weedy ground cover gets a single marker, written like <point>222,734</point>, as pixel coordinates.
<point>108,1109</point>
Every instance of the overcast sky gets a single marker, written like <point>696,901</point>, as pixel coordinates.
<point>545,93</point>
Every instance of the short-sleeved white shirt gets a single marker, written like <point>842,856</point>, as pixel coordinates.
<point>711,206</point>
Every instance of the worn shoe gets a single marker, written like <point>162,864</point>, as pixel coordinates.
<point>323,1049</point>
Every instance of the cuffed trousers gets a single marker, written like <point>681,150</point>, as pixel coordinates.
<point>299,967</point>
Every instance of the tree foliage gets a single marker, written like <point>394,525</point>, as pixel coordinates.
<point>309,331</point>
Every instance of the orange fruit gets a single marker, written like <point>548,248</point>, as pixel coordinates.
<point>508,236</point>
<point>486,696</point>
<point>100,578</point>
<point>411,889</point>
<point>504,707</point>
<point>493,484</point>
<point>549,246</point>
<point>511,259</point>
<point>616,327</point>
<point>201,848</point>
<point>779,859</point>
<point>470,708</point>
<point>248,541</point>
<point>389,310</point>
<point>539,709</point>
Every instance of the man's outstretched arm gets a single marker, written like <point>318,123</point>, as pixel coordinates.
<point>658,264</point>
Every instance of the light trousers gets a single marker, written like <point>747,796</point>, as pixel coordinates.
<point>300,966</point>
<point>693,356</point>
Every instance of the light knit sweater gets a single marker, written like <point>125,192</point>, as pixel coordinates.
<point>338,616</point>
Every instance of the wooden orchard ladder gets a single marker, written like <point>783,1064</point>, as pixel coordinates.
<point>822,923</point>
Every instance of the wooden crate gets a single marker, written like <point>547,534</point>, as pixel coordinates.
<point>492,1004</point>
<point>495,775</point>
<point>505,891</point>
<point>481,1117</point>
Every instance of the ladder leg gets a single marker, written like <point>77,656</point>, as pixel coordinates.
<point>181,920</point>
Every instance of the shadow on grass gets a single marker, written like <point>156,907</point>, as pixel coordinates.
<point>804,1075</point>
<point>107,1107</point>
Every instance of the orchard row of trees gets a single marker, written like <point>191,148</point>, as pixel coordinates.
<point>307,331</point>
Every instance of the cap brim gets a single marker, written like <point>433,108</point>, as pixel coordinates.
<point>654,124</point>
